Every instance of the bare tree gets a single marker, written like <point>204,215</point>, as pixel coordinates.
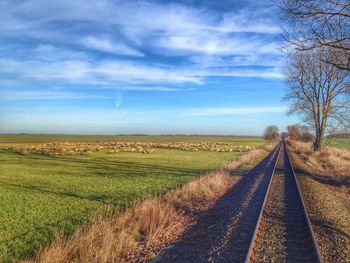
<point>298,132</point>
<point>271,133</point>
<point>305,134</point>
<point>319,23</point>
<point>294,132</point>
<point>319,91</point>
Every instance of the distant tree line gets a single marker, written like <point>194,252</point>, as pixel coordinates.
<point>342,135</point>
<point>294,132</point>
<point>299,133</point>
<point>271,133</point>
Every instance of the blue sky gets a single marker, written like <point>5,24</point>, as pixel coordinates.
<point>154,67</point>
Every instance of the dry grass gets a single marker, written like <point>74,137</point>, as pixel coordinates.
<point>143,230</point>
<point>329,162</point>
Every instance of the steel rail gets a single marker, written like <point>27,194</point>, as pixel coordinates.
<point>304,211</point>
<point>312,233</point>
<point>251,246</point>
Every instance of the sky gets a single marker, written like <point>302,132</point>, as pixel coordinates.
<point>132,67</point>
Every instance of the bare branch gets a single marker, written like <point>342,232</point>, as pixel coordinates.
<point>318,91</point>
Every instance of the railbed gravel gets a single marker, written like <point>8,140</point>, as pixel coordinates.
<point>329,212</point>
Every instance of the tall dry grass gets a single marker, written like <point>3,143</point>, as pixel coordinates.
<point>143,230</point>
<point>329,161</point>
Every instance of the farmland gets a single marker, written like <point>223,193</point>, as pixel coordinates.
<point>46,138</point>
<point>51,184</point>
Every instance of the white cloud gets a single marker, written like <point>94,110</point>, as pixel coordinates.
<point>48,52</point>
<point>254,21</point>
<point>99,73</point>
<point>146,16</point>
<point>149,88</point>
<point>141,22</point>
<point>138,73</point>
<point>104,44</point>
<point>212,61</point>
<point>47,95</point>
<point>119,74</point>
<point>213,44</point>
<point>209,42</point>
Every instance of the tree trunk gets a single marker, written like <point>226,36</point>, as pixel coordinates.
<point>317,144</point>
<point>318,140</point>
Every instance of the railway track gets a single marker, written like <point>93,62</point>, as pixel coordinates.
<point>283,232</point>
<point>261,219</point>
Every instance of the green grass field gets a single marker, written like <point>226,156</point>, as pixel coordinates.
<point>46,138</point>
<point>341,143</point>
<point>42,195</point>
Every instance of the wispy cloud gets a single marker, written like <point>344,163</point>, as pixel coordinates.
<point>99,73</point>
<point>48,95</point>
<point>120,74</point>
<point>104,44</point>
<point>79,50</point>
<point>254,21</point>
<point>125,28</point>
<point>216,45</point>
<point>149,88</point>
<point>49,52</point>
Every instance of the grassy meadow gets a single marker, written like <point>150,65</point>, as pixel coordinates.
<point>43,194</point>
<point>341,143</point>
<point>24,139</point>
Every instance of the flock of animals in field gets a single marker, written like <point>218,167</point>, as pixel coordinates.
<point>83,148</point>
